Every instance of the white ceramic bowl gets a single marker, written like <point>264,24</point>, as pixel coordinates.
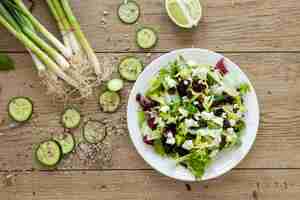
<point>226,160</point>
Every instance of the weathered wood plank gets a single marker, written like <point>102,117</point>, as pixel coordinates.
<point>111,185</point>
<point>249,25</point>
<point>274,77</point>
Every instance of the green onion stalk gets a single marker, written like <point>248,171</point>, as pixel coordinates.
<point>81,37</point>
<point>66,67</point>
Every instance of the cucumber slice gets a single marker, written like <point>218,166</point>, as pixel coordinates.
<point>20,109</point>
<point>49,153</point>
<point>115,85</point>
<point>66,141</point>
<point>130,68</point>
<point>129,12</point>
<point>94,132</point>
<point>146,38</point>
<point>109,101</point>
<point>71,118</point>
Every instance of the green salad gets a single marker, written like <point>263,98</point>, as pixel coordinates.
<point>191,112</point>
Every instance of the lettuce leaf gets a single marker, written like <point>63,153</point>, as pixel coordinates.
<point>197,162</point>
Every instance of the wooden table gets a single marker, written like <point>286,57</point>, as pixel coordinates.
<point>262,36</point>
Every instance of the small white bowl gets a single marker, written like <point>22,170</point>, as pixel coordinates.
<point>226,160</point>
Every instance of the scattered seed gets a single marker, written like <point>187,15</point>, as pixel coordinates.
<point>105,13</point>
<point>103,21</point>
<point>8,180</point>
<point>188,187</point>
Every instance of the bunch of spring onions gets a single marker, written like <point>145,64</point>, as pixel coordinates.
<point>67,68</point>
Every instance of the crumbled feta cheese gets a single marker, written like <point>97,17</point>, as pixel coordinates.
<point>196,103</point>
<point>164,109</point>
<point>190,123</point>
<point>171,141</point>
<point>232,122</point>
<point>224,115</point>
<point>170,82</point>
<point>230,130</point>
<point>169,134</point>
<point>206,115</point>
<point>185,82</point>
<point>183,112</point>
<point>188,144</point>
<point>200,72</point>
<point>211,117</point>
<point>217,139</point>
<point>217,89</point>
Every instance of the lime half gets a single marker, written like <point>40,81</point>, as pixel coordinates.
<point>184,13</point>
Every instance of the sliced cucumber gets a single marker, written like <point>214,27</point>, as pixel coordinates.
<point>146,38</point>
<point>20,109</point>
<point>129,12</point>
<point>115,85</point>
<point>130,68</point>
<point>109,101</point>
<point>49,153</point>
<point>71,118</point>
<point>66,141</point>
<point>94,132</point>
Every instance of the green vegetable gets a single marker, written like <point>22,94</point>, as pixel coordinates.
<point>109,101</point>
<point>158,147</point>
<point>49,153</point>
<point>94,131</point>
<point>6,63</point>
<point>71,118</point>
<point>20,109</point>
<point>141,118</point>
<point>130,68</point>
<point>51,56</point>
<point>204,122</point>
<point>129,12</point>
<point>239,126</point>
<point>146,38</point>
<point>115,85</point>
<point>244,88</point>
<point>197,162</point>
<point>66,141</point>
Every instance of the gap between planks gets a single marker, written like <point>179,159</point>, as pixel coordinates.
<point>132,170</point>
<point>145,52</point>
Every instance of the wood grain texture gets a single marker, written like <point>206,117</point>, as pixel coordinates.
<point>275,76</point>
<point>249,25</point>
<point>146,185</point>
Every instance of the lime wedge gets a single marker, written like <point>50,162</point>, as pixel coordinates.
<point>184,13</point>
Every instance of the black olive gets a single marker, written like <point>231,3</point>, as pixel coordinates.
<point>226,124</point>
<point>218,112</point>
<point>183,87</point>
<point>198,86</point>
<point>171,128</point>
